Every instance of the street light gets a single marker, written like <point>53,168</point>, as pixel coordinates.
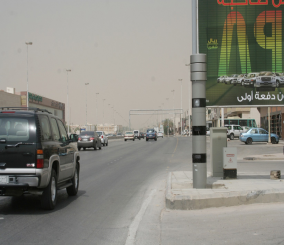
<point>168,120</point>
<point>86,103</point>
<point>97,106</point>
<point>181,106</point>
<point>104,111</point>
<point>68,118</point>
<point>28,43</point>
<point>174,110</point>
<point>190,101</point>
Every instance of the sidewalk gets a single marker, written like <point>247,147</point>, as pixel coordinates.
<point>276,156</point>
<point>247,189</point>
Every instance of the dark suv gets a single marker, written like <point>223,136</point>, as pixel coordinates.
<point>151,134</point>
<point>36,155</point>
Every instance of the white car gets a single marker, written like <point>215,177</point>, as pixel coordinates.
<point>103,137</point>
<point>160,134</point>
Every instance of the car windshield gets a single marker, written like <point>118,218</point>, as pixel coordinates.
<point>266,74</point>
<point>87,133</point>
<point>17,129</point>
<point>251,75</point>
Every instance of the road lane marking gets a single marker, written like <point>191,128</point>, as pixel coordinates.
<point>135,223</point>
<point>176,147</point>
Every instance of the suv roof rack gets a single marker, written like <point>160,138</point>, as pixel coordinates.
<point>25,109</point>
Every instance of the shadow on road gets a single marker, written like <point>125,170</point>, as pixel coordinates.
<point>30,204</point>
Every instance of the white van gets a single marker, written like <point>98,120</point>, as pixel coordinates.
<point>136,134</point>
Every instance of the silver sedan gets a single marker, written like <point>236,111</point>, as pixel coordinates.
<point>104,138</point>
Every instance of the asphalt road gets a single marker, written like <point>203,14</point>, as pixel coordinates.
<point>121,201</point>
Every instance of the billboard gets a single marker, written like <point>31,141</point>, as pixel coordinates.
<point>243,40</point>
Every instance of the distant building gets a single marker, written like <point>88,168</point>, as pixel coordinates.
<point>13,99</point>
<point>109,128</point>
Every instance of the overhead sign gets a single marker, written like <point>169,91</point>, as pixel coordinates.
<point>243,40</point>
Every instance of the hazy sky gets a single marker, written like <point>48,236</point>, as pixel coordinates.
<point>132,52</point>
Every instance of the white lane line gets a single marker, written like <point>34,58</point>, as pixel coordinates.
<point>135,223</point>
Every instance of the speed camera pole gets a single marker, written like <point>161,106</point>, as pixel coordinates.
<point>198,76</point>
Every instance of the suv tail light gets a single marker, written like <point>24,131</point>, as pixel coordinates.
<point>39,159</point>
<point>92,138</point>
<point>79,139</point>
<point>102,136</point>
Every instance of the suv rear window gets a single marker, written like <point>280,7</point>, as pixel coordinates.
<point>16,128</point>
<point>99,133</point>
<point>91,133</point>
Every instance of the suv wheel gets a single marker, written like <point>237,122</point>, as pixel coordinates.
<point>73,189</point>
<point>79,148</point>
<point>107,144</point>
<point>49,195</point>
<point>232,137</point>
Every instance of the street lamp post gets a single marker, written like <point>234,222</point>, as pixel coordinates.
<point>97,107</point>
<point>168,120</point>
<point>181,106</point>
<point>86,104</point>
<point>67,108</point>
<point>189,103</point>
<point>104,111</point>
<point>28,43</point>
<point>174,110</point>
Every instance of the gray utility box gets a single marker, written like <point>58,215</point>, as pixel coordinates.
<point>230,163</point>
<point>218,140</point>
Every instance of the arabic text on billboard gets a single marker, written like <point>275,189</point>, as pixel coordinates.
<point>243,40</point>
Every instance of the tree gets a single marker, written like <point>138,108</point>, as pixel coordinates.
<point>168,126</point>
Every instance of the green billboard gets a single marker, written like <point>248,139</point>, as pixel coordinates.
<point>243,40</point>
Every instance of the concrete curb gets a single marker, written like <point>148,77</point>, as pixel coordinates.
<point>262,158</point>
<point>191,199</point>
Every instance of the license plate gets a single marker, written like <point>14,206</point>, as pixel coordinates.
<point>85,139</point>
<point>4,180</point>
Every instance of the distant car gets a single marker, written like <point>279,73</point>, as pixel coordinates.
<point>266,79</point>
<point>249,81</point>
<point>151,134</point>
<point>231,79</point>
<point>119,134</point>
<point>221,79</point>
<point>89,139</point>
<point>142,135</point>
<point>104,138</point>
<point>160,134</point>
<point>234,131</point>
<point>258,135</point>
<point>207,131</point>
<point>129,135</point>
<point>136,134</point>
<point>240,79</point>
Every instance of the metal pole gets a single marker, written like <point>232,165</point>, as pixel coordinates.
<point>222,112</point>
<point>269,136</point>
<point>180,106</point>
<point>198,77</point>
<point>104,111</point>
<point>28,43</point>
<point>68,119</point>
<point>86,104</point>
<point>97,107</point>
<point>168,120</point>
<point>173,112</point>
<point>194,27</point>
